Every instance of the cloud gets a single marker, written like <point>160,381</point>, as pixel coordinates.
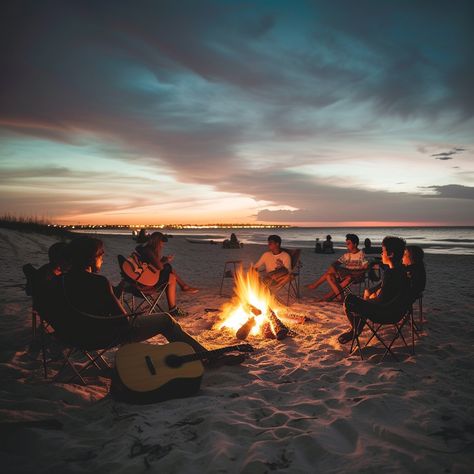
<point>448,155</point>
<point>229,96</point>
<point>452,191</point>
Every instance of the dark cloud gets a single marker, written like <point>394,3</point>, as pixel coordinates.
<point>448,155</point>
<point>315,200</point>
<point>453,191</point>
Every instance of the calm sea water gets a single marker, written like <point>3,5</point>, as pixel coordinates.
<point>446,240</point>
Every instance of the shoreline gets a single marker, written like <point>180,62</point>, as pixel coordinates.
<point>441,247</point>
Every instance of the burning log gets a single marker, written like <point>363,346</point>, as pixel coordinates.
<point>250,308</point>
<point>295,318</point>
<point>245,329</point>
<point>267,331</point>
<point>278,328</point>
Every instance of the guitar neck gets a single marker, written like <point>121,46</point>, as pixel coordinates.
<point>208,354</point>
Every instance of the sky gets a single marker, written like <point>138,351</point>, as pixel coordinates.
<point>292,112</point>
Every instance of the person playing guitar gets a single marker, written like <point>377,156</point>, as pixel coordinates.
<point>150,253</point>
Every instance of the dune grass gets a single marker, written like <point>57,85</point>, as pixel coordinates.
<point>35,225</point>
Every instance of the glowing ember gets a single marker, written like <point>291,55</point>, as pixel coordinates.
<point>251,297</point>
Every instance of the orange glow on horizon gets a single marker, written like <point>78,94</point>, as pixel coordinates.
<point>110,220</point>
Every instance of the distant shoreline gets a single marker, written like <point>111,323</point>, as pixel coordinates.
<point>132,227</point>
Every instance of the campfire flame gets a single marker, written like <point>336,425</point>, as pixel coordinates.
<point>249,290</point>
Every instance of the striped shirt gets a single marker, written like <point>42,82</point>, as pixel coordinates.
<point>354,261</point>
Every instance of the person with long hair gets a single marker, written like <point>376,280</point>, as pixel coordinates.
<point>152,254</point>
<point>413,259</point>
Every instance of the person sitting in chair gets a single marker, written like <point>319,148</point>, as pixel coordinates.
<point>343,271</point>
<point>58,264</point>
<point>368,249</point>
<point>317,247</point>
<point>276,261</point>
<point>43,277</point>
<point>415,268</point>
<point>232,243</point>
<point>328,245</point>
<point>388,300</point>
<point>92,293</point>
<point>151,253</point>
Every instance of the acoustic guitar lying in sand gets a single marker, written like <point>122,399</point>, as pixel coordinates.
<point>147,373</point>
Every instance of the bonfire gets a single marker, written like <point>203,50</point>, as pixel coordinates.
<point>253,310</point>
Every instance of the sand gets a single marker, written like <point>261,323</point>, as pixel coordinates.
<point>297,406</point>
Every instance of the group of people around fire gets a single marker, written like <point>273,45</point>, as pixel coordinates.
<point>74,269</point>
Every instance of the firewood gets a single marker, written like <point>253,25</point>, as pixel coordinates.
<point>245,329</point>
<point>267,331</point>
<point>252,309</point>
<point>277,327</point>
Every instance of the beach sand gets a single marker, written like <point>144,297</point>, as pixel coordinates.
<point>298,406</point>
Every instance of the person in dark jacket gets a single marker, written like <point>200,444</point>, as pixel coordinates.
<point>413,259</point>
<point>389,301</point>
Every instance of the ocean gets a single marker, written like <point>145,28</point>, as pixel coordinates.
<point>444,240</point>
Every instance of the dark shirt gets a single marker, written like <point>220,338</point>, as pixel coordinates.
<point>394,284</point>
<point>92,293</point>
<point>328,246</point>
<point>46,272</point>
<point>44,283</point>
<point>417,278</point>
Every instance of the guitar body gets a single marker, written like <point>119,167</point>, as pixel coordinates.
<point>140,272</point>
<point>147,373</point>
<point>142,374</point>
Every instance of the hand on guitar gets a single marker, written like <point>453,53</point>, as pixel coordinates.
<point>167,258</point>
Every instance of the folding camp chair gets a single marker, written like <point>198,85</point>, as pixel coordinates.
<point>417,329</point>
<point>86,335</point>
<point>366,280</point>
<point>130,291</point>
<point>38,325</point>
<point>51,332</point>
<point>376,328</point>
<point>289,288</point>
<point>419,298</point>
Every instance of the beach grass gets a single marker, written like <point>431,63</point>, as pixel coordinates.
<point>34,224</point>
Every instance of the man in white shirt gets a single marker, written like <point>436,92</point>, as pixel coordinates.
<point>343,271</point>
<point>277,262</point>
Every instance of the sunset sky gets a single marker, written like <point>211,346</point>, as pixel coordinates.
<point>297,112</point>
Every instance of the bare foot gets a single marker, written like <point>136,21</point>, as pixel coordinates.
<point>190,289</point>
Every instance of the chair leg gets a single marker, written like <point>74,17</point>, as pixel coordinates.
<point>43,350</point>
<point>420,309</point>
<point>356,342</point>
<point>376,335</point>
<point>68,363</point>
<point>92,359</point>
<point>373,335</point>
<point>76,374</point>
<point>33,324</point>
<point>157,299</point>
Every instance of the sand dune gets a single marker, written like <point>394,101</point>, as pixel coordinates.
<point>297,406</point>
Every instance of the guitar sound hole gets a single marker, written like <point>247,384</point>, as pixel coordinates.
<point>173,361</point>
